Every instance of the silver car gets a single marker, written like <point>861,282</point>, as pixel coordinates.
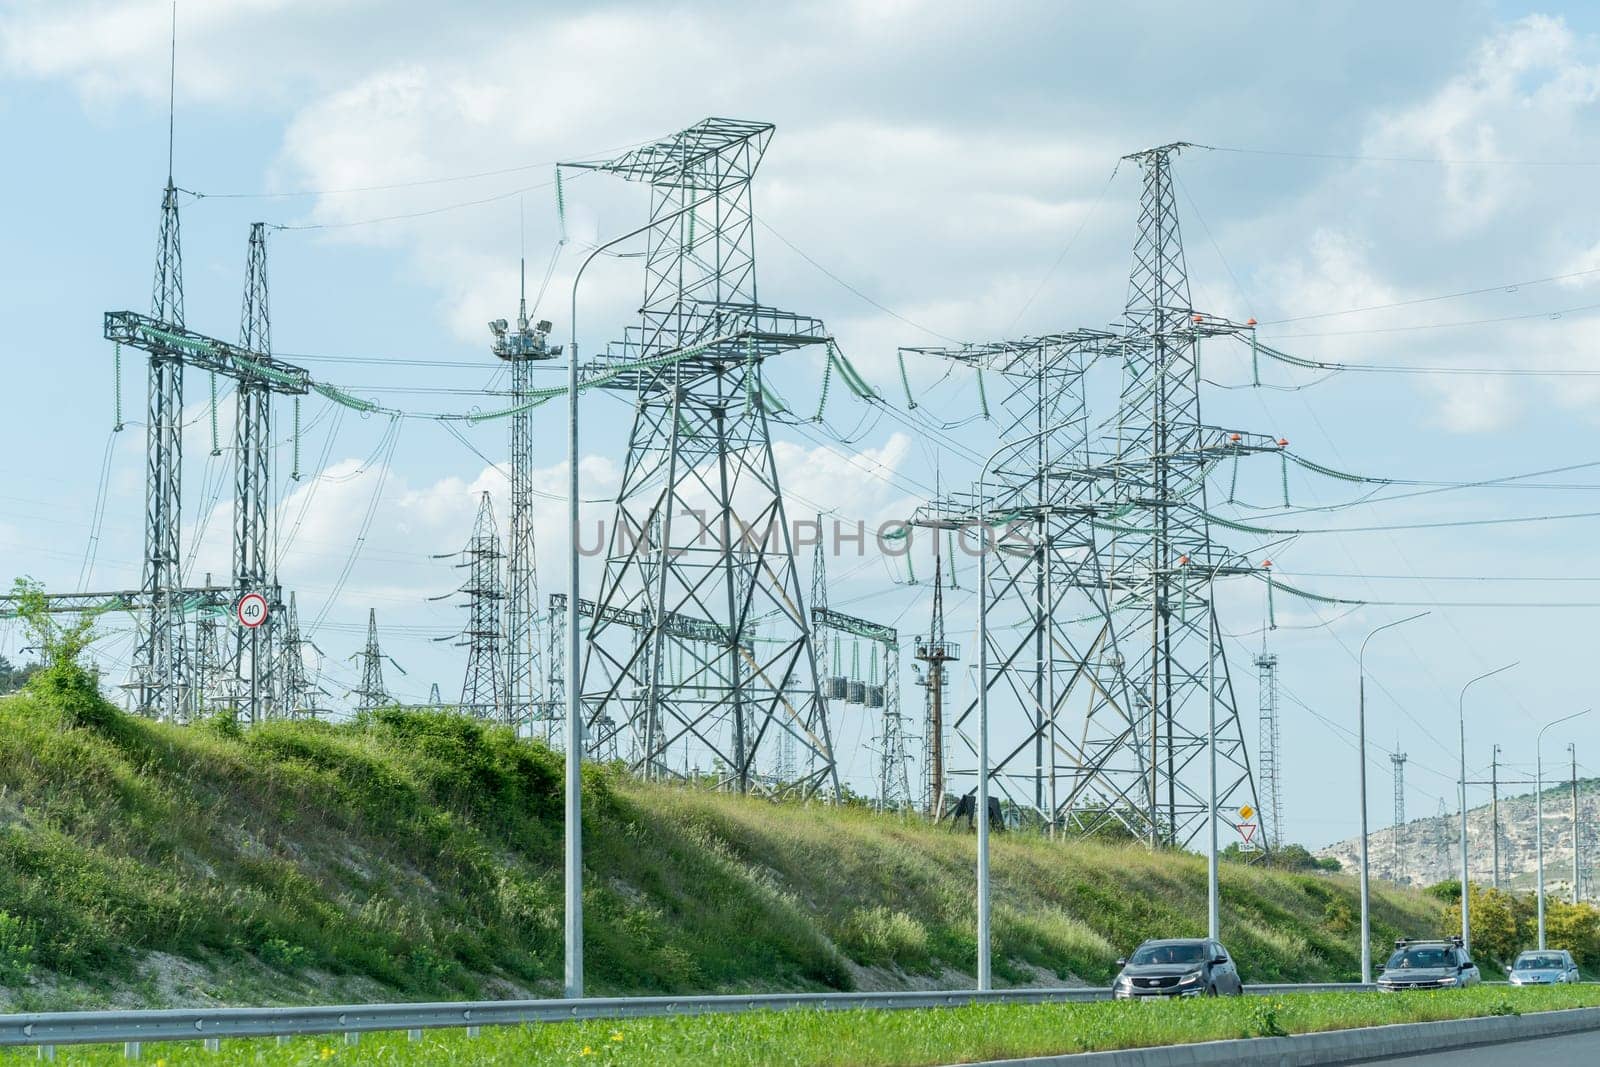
<point>1544,967</point>
<point>1428,965</point>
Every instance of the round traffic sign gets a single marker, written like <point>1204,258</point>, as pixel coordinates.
<point>251,610</point>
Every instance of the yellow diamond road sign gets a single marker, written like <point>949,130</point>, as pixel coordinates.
<point>1246,811</point>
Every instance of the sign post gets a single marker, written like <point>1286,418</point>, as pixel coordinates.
<point>252,611</point>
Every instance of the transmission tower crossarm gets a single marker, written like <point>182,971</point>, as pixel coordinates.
<point>174,341</point>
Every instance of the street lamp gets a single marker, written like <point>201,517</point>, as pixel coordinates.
<point>1461,722</point>
<point>573,847</point>
<point>1361,753</point>
<point>1538,779</point>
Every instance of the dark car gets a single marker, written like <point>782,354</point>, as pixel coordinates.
<point>1428,965</point>
<point>1180,967</point>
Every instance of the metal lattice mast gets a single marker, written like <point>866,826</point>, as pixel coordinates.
<point>290,670</point>
<point>1267,746</point>
<point>1162,556</point>
<point>935,651</point>
<point>207,676</point>
<point>434,699</point>
<point>522,348</point>
<point>894,776</point>
<point>160,658</point>
<point>699,477</point>
<point>252,489</point>
<point>1398,761</point>
<point>555,678</point>
<point>483,691</point>
<point>372,693</point>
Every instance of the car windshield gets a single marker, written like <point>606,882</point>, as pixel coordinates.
<point>1532,962</point>
<point>1410,959</point>
<point>1181,953</point>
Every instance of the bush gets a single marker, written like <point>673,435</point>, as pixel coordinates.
<point>878,935</point>
<point>16,950</point>
<point>276,952</point>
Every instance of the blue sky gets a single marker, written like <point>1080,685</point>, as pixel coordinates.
<point>952,163</point>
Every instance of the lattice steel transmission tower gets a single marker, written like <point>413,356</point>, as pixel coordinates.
<point>1162,555</point>
<point>1267,745</point>
<point>521,348</point>
<point>290,670</point>
<point>699,474</point>
<point>1112,529</point>
<point>160,658</point>
<point>252,492</point>
<point>1397,760</point>
<point>934,651</point>
<point>483,691</point>
<point>372,693</point>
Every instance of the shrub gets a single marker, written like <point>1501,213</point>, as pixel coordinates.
<point>16,950</point>
<point>878,935</point>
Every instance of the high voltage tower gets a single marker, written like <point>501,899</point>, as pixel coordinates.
<point>522,347</point>
<point>483,691</point>
<point>252,496</point>
<point>290,672</point>
<point>1397,760</point>
<point>372,693</point>
<point>1267,747</point>
<point>1105,650</point>
<point>691,679</point>
<point>935,651</point>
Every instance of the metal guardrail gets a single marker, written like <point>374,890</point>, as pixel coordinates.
<point>133,1028</point>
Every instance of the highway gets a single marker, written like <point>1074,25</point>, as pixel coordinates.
<point>1567,1049</point>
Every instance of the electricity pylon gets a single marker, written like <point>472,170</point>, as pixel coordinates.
<point>1101,562</point>
<point>372,693</point>
<point>1267,745</point>
<point>700,478</point>
<point>521,348</point>
<point>933,650</point>
<point>483,690</point>
<point>252,495</point>
<point>290,670</point>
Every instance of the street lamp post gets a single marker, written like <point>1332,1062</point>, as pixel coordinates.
<point>1361,753</point>
<point>1461,722</point>
<point>573,847</point>
<point>1538,779</point>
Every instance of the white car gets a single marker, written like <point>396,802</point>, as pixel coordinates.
<point>1544,967</point>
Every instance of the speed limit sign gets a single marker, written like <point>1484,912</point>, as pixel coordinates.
<point>251,610</point>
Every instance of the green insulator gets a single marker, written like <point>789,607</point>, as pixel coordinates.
<point>1285,459</point>
<point>1233,482</point>
<point>911,570</point>
<point>827,379</point>
<point>905,380</point>
<point>983,396</point>
<point>1255,360</point>
<point>216,450</point>
<point>294,473</point>
<point>1272,616</point>
<point>561,206</point>
<point>116,388</point>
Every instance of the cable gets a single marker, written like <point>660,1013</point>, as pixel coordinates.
<point>1060,258</point>
<point>1429,160</point>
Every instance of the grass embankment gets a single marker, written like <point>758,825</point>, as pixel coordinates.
<point>874,1039</point>
<point>417,856</point>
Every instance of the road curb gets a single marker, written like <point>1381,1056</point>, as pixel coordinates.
<point>1332,1047</point>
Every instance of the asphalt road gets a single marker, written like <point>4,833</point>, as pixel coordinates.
<point>1574,1049</point>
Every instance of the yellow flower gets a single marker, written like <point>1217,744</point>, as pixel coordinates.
<point>616,1035</point>
<point>327,1053</point>
<point>161,1063</point>
<point>587,1051</point>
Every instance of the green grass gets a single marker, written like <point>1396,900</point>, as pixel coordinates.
<point>417,856</point>
<point>873,1039</point>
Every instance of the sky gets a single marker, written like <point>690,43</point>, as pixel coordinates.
<point>1405,187</point>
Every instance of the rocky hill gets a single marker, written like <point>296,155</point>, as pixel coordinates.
<point>1430,849</point>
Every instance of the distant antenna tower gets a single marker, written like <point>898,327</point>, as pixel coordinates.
<point>483,692</point>
<point>372,693</point>
<point>1398,760</point>
<point>522,347</point>
<point>434,699</point>
<point>1271,792</point>
<point>935,651</point>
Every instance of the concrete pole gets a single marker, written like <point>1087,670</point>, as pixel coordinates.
<point>1461,720</point>
<point>1573,752</point>
<point>1538,779</point>
<point>983,754</point>
<point>1213,890</point>
<point>1494,810</point>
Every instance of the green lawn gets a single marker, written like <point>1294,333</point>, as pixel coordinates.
<point>870,1039</point>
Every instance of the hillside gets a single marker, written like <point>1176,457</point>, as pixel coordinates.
<point>1431,847</point>
<point>416,855</point>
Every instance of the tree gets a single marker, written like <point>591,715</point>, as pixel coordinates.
<point>13,677</point>
<point>1498,932</point>
<point>62,677</point>
<point>1574,927</point>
